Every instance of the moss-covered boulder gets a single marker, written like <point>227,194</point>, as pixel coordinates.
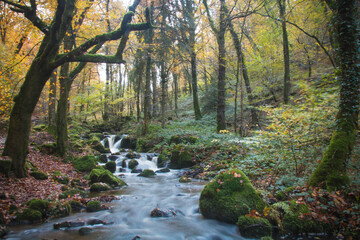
<point>296,220</point>
<point>39,205</point>
<point>229,196</point>
<point>5,165</point>
<point>57,176</point>
<point>132,155</point>
<point>48,148</point>
<point>129,142</point>
<point>103,158</point>
<point>40,128</point>
<point>162,160</point>
<point>76,206</point>
<point>99,187</point>
<point>254,227</point>
<point>72,192</point>
<point>29,215</point>
<point>185,139</point>
<point>85,164</point>
<point>39,175</point>
<point>181,158</point>
<point>105,176</point>
<point>61,209</point>
<point>111,166</point>
<point>93,206</point>
<point>147,173</point>
<point>132,164</point>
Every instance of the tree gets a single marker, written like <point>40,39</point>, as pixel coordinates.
<point>220,38</point>
<point>331,172</point>
<point>47,59</point>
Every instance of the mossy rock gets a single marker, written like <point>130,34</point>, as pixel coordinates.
<point>105,176</point>
<point>39,175</point>
<point>61,209</point>
<point>39,205</point>
<point>76,206</point>
<point>181,158</point>
<point>111,166</point>
<point>85,164</point>
<point>184,179</point>
<point>129,142</point>
<point>72,192</point>
<point>254,227</point>
<point>5,166</point>
<point>147,173</point>
<point>93,206</point>
<point>29,215</point>
<point>293,224</point>
<point>162,160</point>
<point>103,158</point>
<point>132,164</point>
<point>40,128</point>
<point>48,148</point>
<point>99,187</point>
<point>60,178</point>
<point>185,139</point>
<point>229,196</point>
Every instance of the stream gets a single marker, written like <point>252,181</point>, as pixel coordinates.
<point>130,216</point>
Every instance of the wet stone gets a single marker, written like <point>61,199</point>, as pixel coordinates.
<point>84,231</point>
<point>95,221</point>
<point>113,157</point>
<point>162,213</point>
<point>68,224</point>
<point>136,171</point>
<point>163,170</point>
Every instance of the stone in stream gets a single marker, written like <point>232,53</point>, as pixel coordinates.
<point>68,224</point>
<point>96,221</point>
<point>147,173</point>
<point>136,170</point>
<point>163,170</point>
<point>85,230</point>
<point>133,163</point>
<point>113,157</point>
<point>162,213</point>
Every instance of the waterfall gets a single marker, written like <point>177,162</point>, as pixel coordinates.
<point>114,146</point>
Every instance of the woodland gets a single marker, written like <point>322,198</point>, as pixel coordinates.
<point>264,93</point>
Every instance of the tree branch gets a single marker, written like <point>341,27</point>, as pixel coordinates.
<point>306,33</point>
<point>30,14</point>
<point>212,24</point>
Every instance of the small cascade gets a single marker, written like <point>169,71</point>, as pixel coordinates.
<point>114,146</point>
<point>145,160</point>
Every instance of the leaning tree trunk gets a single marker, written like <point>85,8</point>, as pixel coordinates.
<point>331,172</point>
<point>16,145</point>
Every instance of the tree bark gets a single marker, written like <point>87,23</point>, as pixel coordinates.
<point>155,91</point>
<point>286,53</point>
<point>52,103</point>
<point>331,172</point>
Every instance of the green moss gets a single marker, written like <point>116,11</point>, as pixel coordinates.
<point>40,128</point>
<point>60,178</point>
<point>85,164</point>
<point>229,196</point>
<point>266,238</point>
<point>332,169</point>
<point>105,176</point>
<point>39,205</point>
<point>133,163</point>
<point>61,209</point>
<point>147,173</point>
<point>181,158</point>
<point>99,187</point>
<point>162,159</point>
<point>76,206</point>
<point>280,195</point>
<point>111,166</point>
<point>93,206</point>
<point>289,189</point>
<point>5,166</point>
<point>28,214</point>
<point>184,179</point>
<point>254,227</point>
<point>48,148</point>
<point>72,192</point>
<point>39,175</point>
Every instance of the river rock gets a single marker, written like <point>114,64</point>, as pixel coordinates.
<point>68,224</point>
<point>147,173</point>
<point>85,230</point>
<point>95,221</point>
<point>113,157</point>
<point>162,213</point>
<point>229,196</point>
<point>133,155</point>
<point>163,170</point>
<point>181,158</point>
<point>136,170</point>
<point>133,163</point>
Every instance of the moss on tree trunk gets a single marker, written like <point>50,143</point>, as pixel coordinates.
<point>331,172</point>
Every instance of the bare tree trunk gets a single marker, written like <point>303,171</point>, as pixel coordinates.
<point>52,103</point>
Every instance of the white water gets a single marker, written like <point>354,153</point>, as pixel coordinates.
<point>131,214</point>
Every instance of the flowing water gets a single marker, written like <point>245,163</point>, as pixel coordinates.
<point>130,216</point>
